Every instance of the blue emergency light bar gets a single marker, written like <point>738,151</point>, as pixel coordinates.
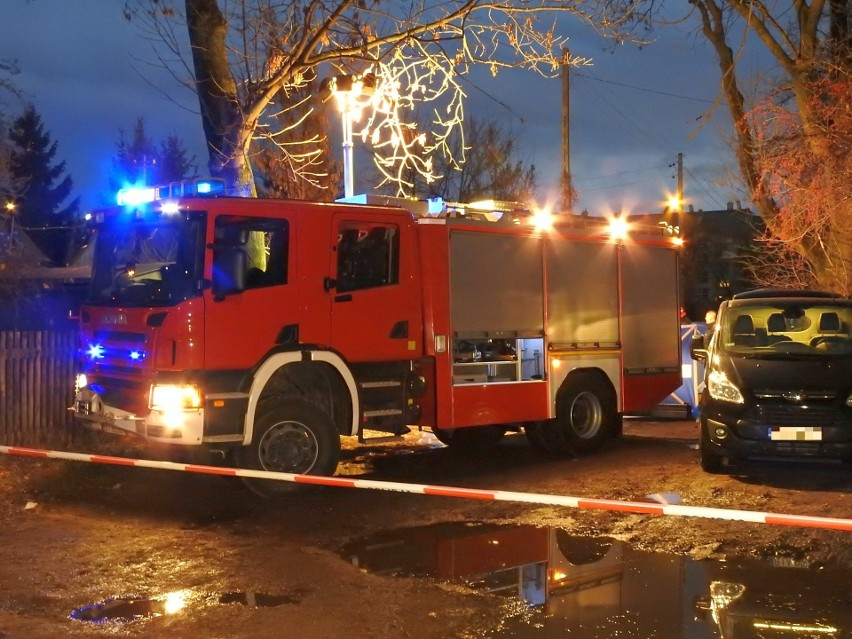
<point>138,195</point>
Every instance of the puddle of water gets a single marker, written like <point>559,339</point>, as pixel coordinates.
<point>600,588</point>
<point>121,610</point>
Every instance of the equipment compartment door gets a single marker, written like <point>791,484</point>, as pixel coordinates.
<point>375,291</point>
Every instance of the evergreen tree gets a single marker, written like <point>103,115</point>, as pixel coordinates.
<point>141,161</point>
<point>136,160</point>
<point>44,186</point>
<point>173,165</point>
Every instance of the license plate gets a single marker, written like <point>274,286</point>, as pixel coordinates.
<point>795,433</point>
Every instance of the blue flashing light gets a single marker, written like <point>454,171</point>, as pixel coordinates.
<point>136,195</point>
<point>210,187</point>
<point>436,205</point>
<point>137,355</point>
<point>361,198</point>
<point>96,351</point>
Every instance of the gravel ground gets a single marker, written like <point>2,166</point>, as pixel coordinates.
<point>74,534</point>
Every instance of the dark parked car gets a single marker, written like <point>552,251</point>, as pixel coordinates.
<point>778,378</point>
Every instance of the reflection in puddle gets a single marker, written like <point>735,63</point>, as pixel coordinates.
<point>128,609</point>
<point>599,588</point>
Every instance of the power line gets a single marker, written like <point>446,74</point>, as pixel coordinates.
<point>645,89</point>
<point>703,187</point>
<point>618,186</point>
<point>611,175</point>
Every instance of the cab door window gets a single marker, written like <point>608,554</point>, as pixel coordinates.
<point>367,255</point>
<point>261,244</point>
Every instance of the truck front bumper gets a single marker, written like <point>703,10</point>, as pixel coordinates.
<point>179,427</point>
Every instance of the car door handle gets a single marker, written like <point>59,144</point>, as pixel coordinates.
<point>343,298</point>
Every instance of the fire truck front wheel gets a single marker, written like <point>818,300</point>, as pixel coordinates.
<point>290,436</point>
<point>586,412</point>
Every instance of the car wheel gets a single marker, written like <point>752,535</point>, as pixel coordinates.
<point>711,461</point>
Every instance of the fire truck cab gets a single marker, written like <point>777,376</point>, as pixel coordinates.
<point>266,329</point>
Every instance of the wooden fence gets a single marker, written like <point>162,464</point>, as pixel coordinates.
<point>36,387</point>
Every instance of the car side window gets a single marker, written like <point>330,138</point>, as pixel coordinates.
<point>367,255</point>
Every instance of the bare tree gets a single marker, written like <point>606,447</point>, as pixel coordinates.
<point>491,168</point>
<point>306,170</point>
<point>253,55</point>
<point>796,138</point>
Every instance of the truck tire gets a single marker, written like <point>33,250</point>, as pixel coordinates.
<point>472,437</point>
<point>533,432</point>
<point>586,412</point>
<point>290,436</point>
<point>547,436</point>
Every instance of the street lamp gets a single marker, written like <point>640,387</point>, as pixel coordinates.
<point>10,208</point>
<point>350,92</point>
<point>671,219</point>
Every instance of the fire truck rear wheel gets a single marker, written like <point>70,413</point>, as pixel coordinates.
<point>547,436</point>
<point>533,432</point>
<point>290,436</point>
<point>586,412</point>
<point>473,437</point>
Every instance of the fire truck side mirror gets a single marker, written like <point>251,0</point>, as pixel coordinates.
<point>229,270</point>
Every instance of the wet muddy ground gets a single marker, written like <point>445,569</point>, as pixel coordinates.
<point>90,550</point>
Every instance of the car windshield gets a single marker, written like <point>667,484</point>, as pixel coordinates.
<point>147,262</point>
<point>769,327</point>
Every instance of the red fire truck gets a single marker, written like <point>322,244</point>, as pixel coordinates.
<point>265,330</point>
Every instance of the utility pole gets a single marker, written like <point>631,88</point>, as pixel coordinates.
<point>677,209</point>
<point>567,186</point>
<point>680,182</point>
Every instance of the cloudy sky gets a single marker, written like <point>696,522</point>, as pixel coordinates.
<point>83,66</point>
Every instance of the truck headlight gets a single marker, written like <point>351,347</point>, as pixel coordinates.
<point>168,397</point>
<point>721,388</point>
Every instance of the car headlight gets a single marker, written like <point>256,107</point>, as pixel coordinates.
<point>721,388</point>
<point>165,397</point>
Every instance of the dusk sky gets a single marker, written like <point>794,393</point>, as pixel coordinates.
<point>87,71</point>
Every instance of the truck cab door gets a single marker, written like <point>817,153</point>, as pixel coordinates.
<point>374,288</point>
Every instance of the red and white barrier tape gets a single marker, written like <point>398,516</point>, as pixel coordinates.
<point>644,508</point>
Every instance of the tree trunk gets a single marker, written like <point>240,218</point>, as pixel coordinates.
<point>222,116</point>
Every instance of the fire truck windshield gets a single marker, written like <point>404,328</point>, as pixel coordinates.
<point>147,262</point>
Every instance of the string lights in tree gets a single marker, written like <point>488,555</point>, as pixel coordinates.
<point>407,84</point>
